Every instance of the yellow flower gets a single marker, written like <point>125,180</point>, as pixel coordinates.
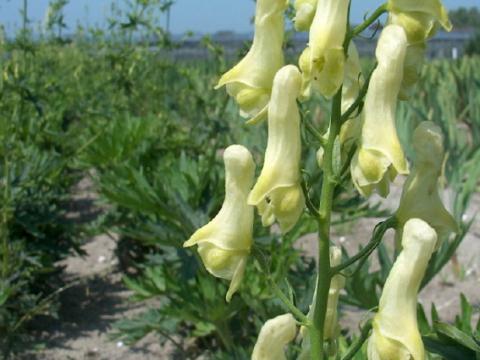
<point>250,81</point>
<point>304,12</point>
<point>277,193</point>
<point>274,335</point>
<point>306,66</point>
<point>380,156</point>
<point>395,333</point>
<point>420,198</point>
<point>327,57</point>
<point>224,243</point>
<point>414,58</point>
<point>419,18</point>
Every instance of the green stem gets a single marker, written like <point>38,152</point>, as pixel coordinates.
<point>291,307</point>
<point>359,100</point>
<point>369,21</point>
<point>308,200</point>
<point>224,334</point>
<point>377,237</point>
<point>261,260</point>
<point>356,346</point>
<point>324,221</point>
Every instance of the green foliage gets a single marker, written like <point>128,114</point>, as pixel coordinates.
<point>458,341</point>
<point>473,45</point>
<point>36,180</point>
<point>463,17</point>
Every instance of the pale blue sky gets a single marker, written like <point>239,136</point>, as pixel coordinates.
<point>205,16</point>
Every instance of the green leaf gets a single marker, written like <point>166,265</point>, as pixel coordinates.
<point>203,329</point>
<point>422,320</point>
<point>457,335</point>
<point>464,321</point>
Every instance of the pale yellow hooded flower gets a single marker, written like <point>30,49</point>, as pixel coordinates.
<point>414,59</point>
<point>331,327</point>
<point>420,20</point>
<point>420,197</point>
<point>277,193</point>
<point>250,81</point>
<point>224,243</point>
<point>304,13</point>
<point>395,333</point>
<point>274,335</point>
<point>305,65</point>
<point>380,156</point>
<point>326,53</point>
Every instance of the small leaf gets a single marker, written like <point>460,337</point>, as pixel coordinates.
<point>203,329</point>
<point>423,324</point>
<point>434,314</point>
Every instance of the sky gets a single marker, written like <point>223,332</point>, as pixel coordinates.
<point>200,16</point>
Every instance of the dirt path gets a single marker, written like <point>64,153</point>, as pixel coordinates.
<point>88,311</point>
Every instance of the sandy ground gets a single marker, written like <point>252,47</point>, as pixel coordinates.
<point>90,308</point>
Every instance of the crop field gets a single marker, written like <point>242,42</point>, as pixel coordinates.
<point>111,157</point>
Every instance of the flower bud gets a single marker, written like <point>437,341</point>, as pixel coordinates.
<point>331,327</point>
<point>380,156</point>
<point>420,198</point>
<point>305,65</point>
<point>274,335</point>
<point>277,193</point>
<point>395,333</point>
<point>250,81</point>
<point>304,13</point>
<point>224,243</point>
<point>327,57</point>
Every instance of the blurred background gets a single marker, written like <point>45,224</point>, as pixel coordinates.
<point>111,137</point>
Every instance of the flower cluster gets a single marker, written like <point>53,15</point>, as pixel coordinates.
<point>264,87</point>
